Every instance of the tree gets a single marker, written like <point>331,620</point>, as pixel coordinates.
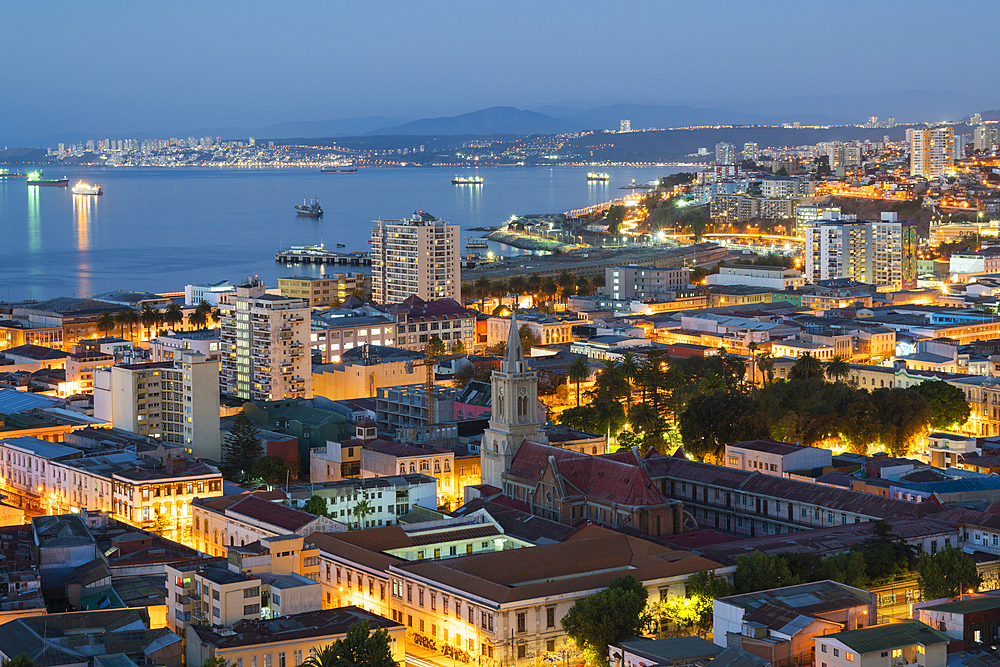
<point>695,610</point>
<point>163,523</point>
<point>19,661</point>
<point>458,347</point>
<point>577,372</point>
<point>766,364</point>
<point>849,568</point>
<point>215,661</point>
<point>948,405</point>
<point>435,346</point>
<point>173,315</point>
<point>838,369</point>
<point>903,416</point>
<point>947,573</point>
<point>360,648</point>
<point>126,317</point>
<point>587,419</point>
<point>199,318</point>
<point>241,448</point>
<point>270,469</point>
<point>614,217</point>
<point>106,322</point>
<point>316,505</point>
<point>627,440</point>
<point>644,420</point>
<point>527,338</point>
<point>806,367</point>
<point>149,317</point>
<point>609,615</point>
<point>712,420</point>
<point>361,510</point>
<point>758,572</point>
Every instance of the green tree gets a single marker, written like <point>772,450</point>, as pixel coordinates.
<point>241,448</point>
<point>527,338</point>
<point>106,322</point>
<point>577,372</point>
<point>149,317</point>
<point>360,648</point>
<point>712,420</point>
<point>903,416</point>
<point>627,440</point>
<point>848,568</point>
<point>435,346</point>
<point>758,572</point>
<point>609,615</point>
<point>19,661</point>
<point>362,510</point>
<point>173,315</point>
<point>806,367</point>
<point>481,288</point>
<point>587,419</point>
<point>947,402</point>
<point>270,469</point>
<point>947,573</point>
<point>838,369</point>
<point>695,610</point>
<point>163,523</point>
<point>126,317</point>
<point>645,420</point>
<point>458,347</point>
<point>614,217</point>
<point>316,505</point>
<point>199,317</point>
<point>215,661</point>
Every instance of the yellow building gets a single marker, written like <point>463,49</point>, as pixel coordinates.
<point>324,290</point>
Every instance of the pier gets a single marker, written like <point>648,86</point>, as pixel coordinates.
<point>317,254</point>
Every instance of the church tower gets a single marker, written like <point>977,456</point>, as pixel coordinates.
<point>515,412</point>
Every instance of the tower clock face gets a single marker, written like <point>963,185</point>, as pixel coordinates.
<point>523,391</point>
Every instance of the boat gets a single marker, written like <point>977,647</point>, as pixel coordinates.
<point>467,180</point>
<point>476,243</point>
<point>595,176</point>
<point>82,188</point>
<point>35,178</point>
<point>6,173</point>
<point>341,245</point>
<point>310,209</point>
<point>636,186</point>
<point>339,169</point>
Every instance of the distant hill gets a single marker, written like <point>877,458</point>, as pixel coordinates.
<point>342,127</point>
<point>23,156</point>
<point>495,120</point>
<point>652,115</point>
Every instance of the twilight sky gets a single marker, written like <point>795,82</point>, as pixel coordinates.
<point>116,67</point>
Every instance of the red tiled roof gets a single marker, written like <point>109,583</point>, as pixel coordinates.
<point>272,513</point>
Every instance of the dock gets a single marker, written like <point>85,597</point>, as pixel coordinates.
<point>317,254</point>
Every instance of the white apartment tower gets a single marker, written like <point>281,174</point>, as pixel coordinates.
<point>264,345</point>
<point>515,412</point>
<point>750,151</point>
<point>725,153</point>
<point>417,255</point>
<point>881,252</point>
<point>932,152</point>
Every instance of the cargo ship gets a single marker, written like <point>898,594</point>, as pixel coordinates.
<point>310,209</point>
<point>339,169</point>
<point>5,173</point>
<point>35,178</point>
<point>467,180</point>
<point>82,188</point>
<point>595,176</point>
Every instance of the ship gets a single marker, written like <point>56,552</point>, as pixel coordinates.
<point>476,243</point>
<point>35,178</point>
<point>636,186</point>
<point>595,176</point>
<point>310,209</point>
<point>467,180</point>
<point>82,188</point>
<point>339,169</point>
<point>6,173</point>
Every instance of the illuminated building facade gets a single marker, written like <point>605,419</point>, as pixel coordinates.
<point>416,256</point>
<point>932,152</point>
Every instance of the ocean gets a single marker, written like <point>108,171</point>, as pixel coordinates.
<point>159,229</point>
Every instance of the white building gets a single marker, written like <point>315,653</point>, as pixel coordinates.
<point>770,457</point>
<point>389,497</point>
<point>640,282</point>
<point>207,292</point>
<point>881,252</point>
<point>416,256</point>
<point>774,277</point>
<point>264,342</point>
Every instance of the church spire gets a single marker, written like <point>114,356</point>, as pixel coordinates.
<point>514,359</point>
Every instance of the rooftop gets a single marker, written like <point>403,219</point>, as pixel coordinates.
<point>274,514</point>
<point>889,636</point>
<point>769,446</point>
<point>814,598</point>
<point>326,623</point>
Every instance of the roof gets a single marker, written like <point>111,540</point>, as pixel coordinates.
<point>61,530</point>
<point>335,544</point>
<point>272,513</point>
<point>12,400</point>
<point>813,598</point>
<point>42,448</point>
<point>36,352</point>
<point>981,603</point>
<point>734,657</point>
<point>673,649</point>
<point>519,523</point>
<point>889,636</point>
<point>769,446</point>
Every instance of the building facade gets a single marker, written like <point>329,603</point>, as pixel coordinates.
<point>323,291</point>
<point>932,152</point>
<point>415,256</point>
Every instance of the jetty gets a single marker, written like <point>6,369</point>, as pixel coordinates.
<point>317,254</point>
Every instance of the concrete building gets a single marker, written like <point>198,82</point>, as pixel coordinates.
<point>384,458</point>
<point>406,406</point>
<point>265,345</point>
<point>881,252</point>
<point>725,153</point>
<point>772,277</point>
<point>177,401</point>
<point>969,623</point>
<point>203,341</point>
<point>807,213</point>
<point>323,291</point>
<point>389,497</point>
<point>417,321</point>
<point>361,371</point>
<point>208,292</point>
<point>932,153</point>
<point>630,282</point>
<point>885,645</point>
<point>335,332</point>
<point>791,187</point>
<point>770,457</point>
<point>545,329</point>
<point>417,256</point>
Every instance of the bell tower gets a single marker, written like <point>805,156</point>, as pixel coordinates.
<point>515,411</point>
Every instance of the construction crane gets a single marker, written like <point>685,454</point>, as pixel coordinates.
<point>429,362</point>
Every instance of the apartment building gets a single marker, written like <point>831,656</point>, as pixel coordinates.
<point>807,213</point>
<point>335,332</point>
<point>416,256</point>
<point>793,187</point>
<point>417,321</point>
<point>361,371</point>
<point>389,497</point>
<point>210,293</point>
<point>383,458</point>
<point>264,345</point>
<point>770,457</point>
<point>772,277</point>
<point>740,208</point>
<point>203,341</point>
<point>932,152</point>
<point>881,252</point>
<point>640,282</point>
<point>324,291</point>
<point>906,643</point>
<point>177,401</point>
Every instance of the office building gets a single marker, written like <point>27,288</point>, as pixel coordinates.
<point>207,292</point>
<point>323,291</point>
<point>418,256</point>
<point>336,331</point>
<point>264,345</point>
<point>725,153</point>
<point>932,152</point>
<point>750,151</point>
<point>177,401</point>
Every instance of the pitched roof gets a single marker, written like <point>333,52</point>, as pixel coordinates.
<point>769,446</point>
<point>272,513</point>
<point>889,636</point>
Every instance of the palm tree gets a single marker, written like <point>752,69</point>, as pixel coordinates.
<point>217,314</point>
<point>583,287</point>
<point>325,657</point>
<point>838,369</point>
<point>148,317</point>
<point>807,367</point>
<point>481,288</point>
<point>173,315</point>
<point>534,285</point>
<point>201,313</point>
<point>362,510</point>
<point>566,282</point>
<point>549,288</point>
<point>517,286</point>
<point>106,322</point>
<point>629,371</point>
<point>766,364</point>
<point>577,372</point>
<point>126,317</point>
<point>712,383</point>
<point>643,419</point>
<point>498,290</point>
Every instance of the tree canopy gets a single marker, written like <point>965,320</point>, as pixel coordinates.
<point>947,573</point>
<point>360,648</point>
<point>241,449</point>
<point>948,404</point>
<point>603,618</point>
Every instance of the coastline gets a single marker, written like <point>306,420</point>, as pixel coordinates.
<point>528,242</point>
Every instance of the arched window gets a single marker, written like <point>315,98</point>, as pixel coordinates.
<point>402,468</point>
<point>413,467</point>
<point>242,543</point>
<point>197,525</point>
<point>215,536</point>
<point>437,466</point>
<point>447,466</point>
<point>232,540</point>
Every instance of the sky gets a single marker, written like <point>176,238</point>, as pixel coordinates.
<point>120,67</point>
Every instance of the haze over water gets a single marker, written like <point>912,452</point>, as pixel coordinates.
<point>159,229</point>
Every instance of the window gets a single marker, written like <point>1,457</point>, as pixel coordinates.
<point>550,617</point>
<point>849,656</point>
<point>822,648</point>
<point>550,645</point>
<point>521,621</point>
<point>251,609</point>
<point>297,658</point>
<point>409,592</point>
<point>281,659</point>
<point>521,650</point>
<point>420,596</point>
<point>836,653</point>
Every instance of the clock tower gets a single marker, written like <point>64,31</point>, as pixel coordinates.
<point>515,412</point>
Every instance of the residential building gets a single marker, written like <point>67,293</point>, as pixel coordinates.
<point>553,329</point>
<point>790,187</point>
<point>771,277</point>
<point>725,153</point>
<point>323,291</point>
<point>264,345</point>
<point>287,641</point>
<point>903,643</point>
<point>203,341</point>
<point>750,151</point>
<point>389,497</point>
<point>384,458</point>
<point>417,256</point>
<point>177,401</point>
<point>730,208</point>
<point>881,252</point>
<point>406,406</point>
<point>969,622</point>
<point>807,213</point>
<point>932,153</point>
<point>771,457</point>
<point>418,320</point>
<point>80,367</point>
<point>631,282</point>
<point>210,293</point>
<point>336,332</point>
<point>986,138</point>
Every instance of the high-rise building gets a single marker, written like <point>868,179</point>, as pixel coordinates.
<point>176,401</point>
<point>625,125</point>
<point>725,153</point>
<point>894,253</point>
<point>515,412</point>
<point>960,141</point>
<point>415,256</point>
<point>986,138</point>
<point>882,252</point>
<point>264,345</point>
<point>750,151</point>
<point>932,152</point>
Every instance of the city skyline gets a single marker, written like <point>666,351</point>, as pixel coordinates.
<point>157,71</point>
